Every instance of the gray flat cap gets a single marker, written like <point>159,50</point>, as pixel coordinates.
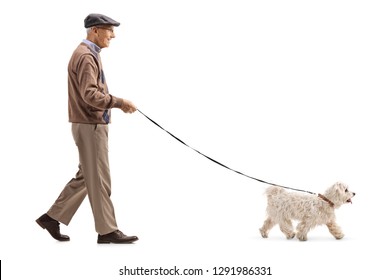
<point>99,19</point>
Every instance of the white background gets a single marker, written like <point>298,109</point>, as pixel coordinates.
<point>292,92</point>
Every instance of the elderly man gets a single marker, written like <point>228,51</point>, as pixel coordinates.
<point>90,105</point>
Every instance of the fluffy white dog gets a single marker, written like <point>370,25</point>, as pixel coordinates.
<point>310,210</point>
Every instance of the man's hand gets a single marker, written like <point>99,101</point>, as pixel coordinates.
<point>128,106</point>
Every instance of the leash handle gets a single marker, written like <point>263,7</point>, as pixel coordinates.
<point>217,162</point>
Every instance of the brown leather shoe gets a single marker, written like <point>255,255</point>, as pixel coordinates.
<point>116,237</point>
<point>52,226</point>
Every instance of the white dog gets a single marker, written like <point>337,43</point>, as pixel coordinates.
<point>310,210</point>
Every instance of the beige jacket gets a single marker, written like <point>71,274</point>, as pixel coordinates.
<point>87,89</point>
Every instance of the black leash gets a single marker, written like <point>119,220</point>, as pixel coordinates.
<point>217,162</point>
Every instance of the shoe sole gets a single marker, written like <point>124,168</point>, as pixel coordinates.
<point>103,242</point>
<point>40,224</point>
<point>108,242</point>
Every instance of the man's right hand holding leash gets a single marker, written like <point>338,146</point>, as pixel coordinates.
<point>128,106</point>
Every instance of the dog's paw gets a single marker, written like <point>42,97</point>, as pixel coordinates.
<point>263,233</point>
<point>290,235</point>
<point>302,237</point>
<point>339,236</point>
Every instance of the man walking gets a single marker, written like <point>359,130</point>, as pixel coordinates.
<point>90,105</point>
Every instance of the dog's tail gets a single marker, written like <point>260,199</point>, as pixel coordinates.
<point>272,191</point>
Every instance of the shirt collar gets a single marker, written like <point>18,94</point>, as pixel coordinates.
<point>94,48</point>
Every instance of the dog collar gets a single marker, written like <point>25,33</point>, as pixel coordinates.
<point>327,200</point>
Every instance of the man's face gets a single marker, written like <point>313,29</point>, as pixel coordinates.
<point>104,34</point>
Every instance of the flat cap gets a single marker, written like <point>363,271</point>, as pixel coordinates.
<point>99,19</point>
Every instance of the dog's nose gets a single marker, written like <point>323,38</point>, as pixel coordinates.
<point>353,194</point>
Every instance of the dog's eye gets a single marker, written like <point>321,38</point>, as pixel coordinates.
<point>346,190</point>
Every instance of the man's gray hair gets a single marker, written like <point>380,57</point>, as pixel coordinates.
<point>89,29</point>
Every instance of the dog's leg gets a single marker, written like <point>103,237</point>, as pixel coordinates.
<point>335,230</point>
<point>287,228</point>
<point>302,230</point>
<point>268,224</point>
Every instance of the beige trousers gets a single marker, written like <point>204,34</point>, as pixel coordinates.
<point>93,178</point>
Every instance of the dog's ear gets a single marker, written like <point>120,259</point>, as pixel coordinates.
<point>340,187</point>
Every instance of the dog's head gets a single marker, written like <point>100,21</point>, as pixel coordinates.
<point>339,194</point>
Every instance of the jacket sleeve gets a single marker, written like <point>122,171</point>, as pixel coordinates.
<point>91,93</point>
